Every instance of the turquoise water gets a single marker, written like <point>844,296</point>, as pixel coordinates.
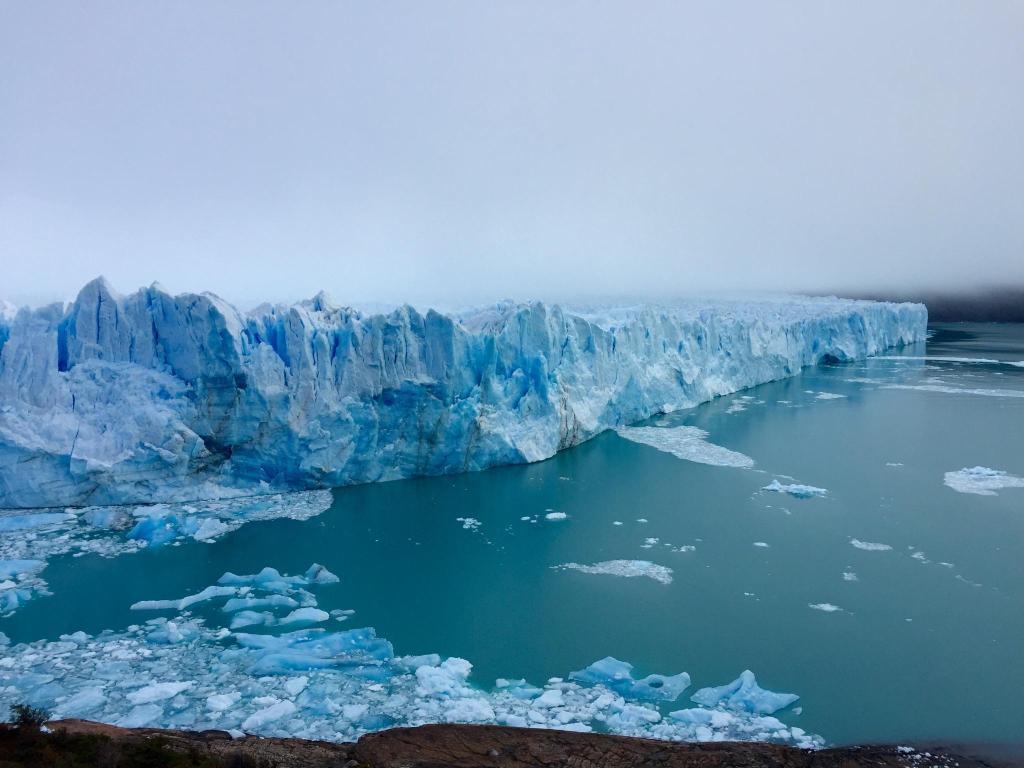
<point>923,647</point>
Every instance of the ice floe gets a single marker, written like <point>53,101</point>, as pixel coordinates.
<point>952,390</point>
<point>113,531</point>
<point>627,568</point>
<point>870,546</point>
<point>944,359</point>
<point>795,489</point>
<point>688,443</point>
<point>314,683</point>
<point>825,607</point>
<point>982,481</point>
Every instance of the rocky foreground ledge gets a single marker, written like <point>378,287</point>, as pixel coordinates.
<point>76,743</point>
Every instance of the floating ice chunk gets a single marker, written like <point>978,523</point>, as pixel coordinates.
<point>744,695</point>
<point>180,605</point>
<point>870,546</point>
<point>944,359</point>
<point>555,516</point>
<point>252,603</point>
<point>688,443</point>
<point>296,685</point>
<point>826,607</point>
<point>260,719</point>
<point>141,716</point>
<point>626,568</point>
<point>618,676</point>
<point>447,679</point>
<point>210,529</point>
<point>317,574</point>
<point>550,698</point>
<point>469,523</point>
<point>849,576</point>
<point>218,702</point>
<point>251,619</point>
<point>795,489</point>
<point>83,701</point>
<point>305,616</point>
<point>27,522</point>
<point>829,396</point>
<point>158,692</point>
<point>982,481</point>
<point>951,390</point>
<point>10,569</point>
<point>761,544</point>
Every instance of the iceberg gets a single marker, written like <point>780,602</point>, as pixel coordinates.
<point>153,397</point>
<point>618,676</point>
<point>744,695</point>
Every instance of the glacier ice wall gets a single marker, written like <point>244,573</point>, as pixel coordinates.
<point>153,397</point>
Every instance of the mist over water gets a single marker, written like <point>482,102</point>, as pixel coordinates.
<point>447,152</point>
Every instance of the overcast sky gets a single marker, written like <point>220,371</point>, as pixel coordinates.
<point>474,150</point>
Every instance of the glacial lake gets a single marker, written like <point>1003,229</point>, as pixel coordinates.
<point>921,641</point>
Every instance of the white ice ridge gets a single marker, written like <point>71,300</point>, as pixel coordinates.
<point>29,539</point>
<point>321,684</point>
<point>154,397</point>
<point>628,568</point>
<point>982,480</point>
<point>687,443</point>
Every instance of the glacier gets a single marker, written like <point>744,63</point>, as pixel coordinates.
<point>152,397</point>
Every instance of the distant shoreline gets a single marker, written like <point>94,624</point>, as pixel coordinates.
<point>995,305</point>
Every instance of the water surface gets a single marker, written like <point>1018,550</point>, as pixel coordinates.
<point>927,645</point>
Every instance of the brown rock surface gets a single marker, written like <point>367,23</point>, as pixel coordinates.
<point>482,746</point>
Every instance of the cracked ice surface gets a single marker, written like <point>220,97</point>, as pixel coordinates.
<point>29,540</point>
<point>318,684</point>
<point>153,397</point>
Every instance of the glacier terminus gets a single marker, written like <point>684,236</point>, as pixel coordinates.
<point>152,397</point>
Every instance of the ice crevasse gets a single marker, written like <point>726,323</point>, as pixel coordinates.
<point>153,397</point>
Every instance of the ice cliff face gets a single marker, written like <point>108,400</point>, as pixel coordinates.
<point>153,397</point>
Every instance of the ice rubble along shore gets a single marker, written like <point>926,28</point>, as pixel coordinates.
<point>153,397</point>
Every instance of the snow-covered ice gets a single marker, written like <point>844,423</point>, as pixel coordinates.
<point>982,481</point>
<point>688,443</point>
<point>152,397</point>
<point>626,568</point>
